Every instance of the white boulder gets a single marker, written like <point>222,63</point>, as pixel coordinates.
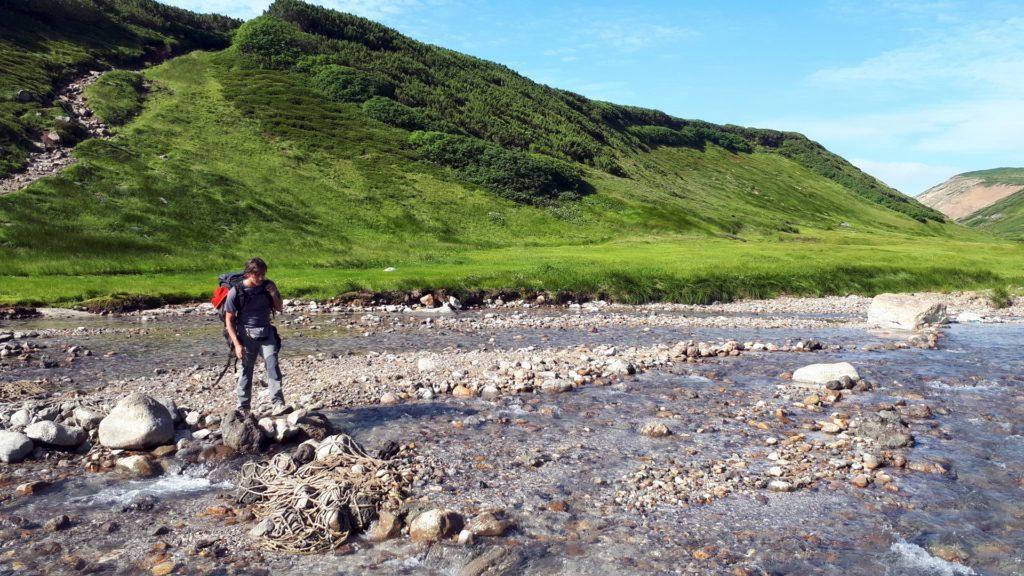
<point>53,434</point>
<point>14,446</point>
<point>822,373</point>
<point>906,311</point>
<point>138,422</point>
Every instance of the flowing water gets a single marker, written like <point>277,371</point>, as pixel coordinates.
<point>554,463</point>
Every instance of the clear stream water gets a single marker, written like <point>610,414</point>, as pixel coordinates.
<point>587,441</point>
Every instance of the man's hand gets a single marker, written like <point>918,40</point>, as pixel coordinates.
<point>239,352</point>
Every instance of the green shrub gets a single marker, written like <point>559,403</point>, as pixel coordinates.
<point>272,43</point>
<point>395,114</point>
<point>656,135</point>
<point>518,176</point>
<point>117,96</point>
<point>1000,297</point>
<point>344,84</point>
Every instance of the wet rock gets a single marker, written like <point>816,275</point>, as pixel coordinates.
<point>871,461</point>
<point>137,465</point>
<point>906,311</point>
<point>53,434</point>
<point>241,432</point>
<point>314,425</point>
<point>621,367</point>
<point>488,524</point>
<point>30,488</point>
<point>385,527</point>
<point>57,523</point>
<point>138,422</point>
<point>14,446</point>
<point>655,430</point>
<point>887,430</point>
<point>824,373</point>
<point>434,525</point>
<point>556,385</point>
<point>861,480</point>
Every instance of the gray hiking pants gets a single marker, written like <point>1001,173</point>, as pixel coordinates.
<point>266,347</point>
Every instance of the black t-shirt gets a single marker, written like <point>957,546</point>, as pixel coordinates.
<point>256,305</point>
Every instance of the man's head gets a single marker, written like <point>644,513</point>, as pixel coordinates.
<point>256,270</point>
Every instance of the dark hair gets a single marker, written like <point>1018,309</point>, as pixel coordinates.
<point>256,266</point>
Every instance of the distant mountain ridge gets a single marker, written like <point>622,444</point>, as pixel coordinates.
<point>967,193</point>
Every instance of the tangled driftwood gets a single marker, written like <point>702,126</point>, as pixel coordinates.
<point>315,507</point>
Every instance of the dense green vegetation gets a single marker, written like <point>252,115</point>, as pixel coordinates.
<point>998,175</point>
<point>334,148</point>
<point>117,96</point>
<point>42,43</point>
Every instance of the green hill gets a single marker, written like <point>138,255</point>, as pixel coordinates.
<point>335,147</point>
<point>1005,217</point>
<point>963,195</point>
<point>43,43</point>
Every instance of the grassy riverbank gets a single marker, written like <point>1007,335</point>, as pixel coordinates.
<point>683,269</point>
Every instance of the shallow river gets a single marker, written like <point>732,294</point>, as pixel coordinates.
<point>554,463</point>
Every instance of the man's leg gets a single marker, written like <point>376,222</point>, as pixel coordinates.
<point>244,388</point>
<point>273,373</point>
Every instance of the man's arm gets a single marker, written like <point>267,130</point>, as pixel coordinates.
<point>229,325</point>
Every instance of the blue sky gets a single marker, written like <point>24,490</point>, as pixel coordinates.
<point>911,91</point>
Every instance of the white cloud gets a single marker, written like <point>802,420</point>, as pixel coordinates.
<point>908,177</point>
<point>974,58</point>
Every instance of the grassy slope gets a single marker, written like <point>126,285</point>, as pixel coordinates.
<point>42,43</point>
<point>332,198</point>
<point>1004,218</point>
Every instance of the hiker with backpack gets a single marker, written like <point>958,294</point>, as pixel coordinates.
<point>248,304</point>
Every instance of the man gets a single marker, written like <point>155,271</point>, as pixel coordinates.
<point>247,319</point>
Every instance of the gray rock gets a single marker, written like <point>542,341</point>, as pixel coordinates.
<point>21,418</point>
<point>53,434</point>
<point>906,311</point>
<point>14,446</point>
<point>241,432</point>
<point>887,429</point>
<point>555,385</point>
<point>138,422</point>
<point>823,373</point>
<point>172,408</point>
<point>621,367</point>
<point>87,418</point>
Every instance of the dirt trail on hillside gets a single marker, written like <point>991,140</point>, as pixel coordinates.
<point>55,155</point>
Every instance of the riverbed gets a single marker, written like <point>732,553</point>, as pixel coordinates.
<point>586,492</point>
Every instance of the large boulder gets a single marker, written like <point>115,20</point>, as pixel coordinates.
<point>906,311</point>
<point>242,432</point>
<point>138,422</point>
<point>14,446</point>
<point>823,373</point>
<point>53,434</point>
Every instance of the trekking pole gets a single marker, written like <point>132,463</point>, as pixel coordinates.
<point>231,356</point>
